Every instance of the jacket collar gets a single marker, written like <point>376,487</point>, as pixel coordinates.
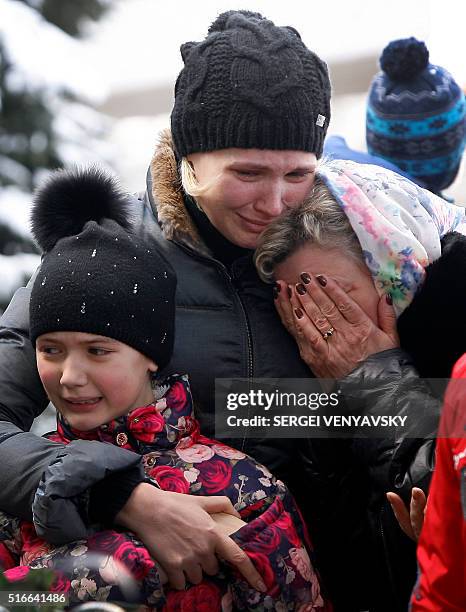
<point>166,197</point>
<point>164,424</point>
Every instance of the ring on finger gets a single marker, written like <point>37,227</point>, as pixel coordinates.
<point>328,334</point>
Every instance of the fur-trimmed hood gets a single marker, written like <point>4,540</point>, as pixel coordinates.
<point>167,198</point>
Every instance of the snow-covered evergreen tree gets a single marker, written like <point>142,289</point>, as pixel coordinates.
<point>47,91</point>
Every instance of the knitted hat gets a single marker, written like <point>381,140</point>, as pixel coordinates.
<point>96,276</point>
<point>416,115</point>
<point>250,84</point>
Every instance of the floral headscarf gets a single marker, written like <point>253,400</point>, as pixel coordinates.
<point>398,224</point>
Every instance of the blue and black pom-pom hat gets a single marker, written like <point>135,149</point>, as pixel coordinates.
<point>416,115</point>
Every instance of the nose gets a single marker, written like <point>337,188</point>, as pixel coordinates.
<point>271,204</point>
<point>73,373</point>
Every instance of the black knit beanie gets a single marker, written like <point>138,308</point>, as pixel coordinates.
<point>96,275</point>
<point>250,84</point>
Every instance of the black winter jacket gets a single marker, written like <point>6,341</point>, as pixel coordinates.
<point>226,327</point>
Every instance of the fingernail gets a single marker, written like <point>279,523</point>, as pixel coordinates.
<point>305,278</point>
<point>277,286</point>
<point>290,293</point>
<point>389,299</point>
<point>299,313</point>
<point>301,289</point>
<point>261,586</point>
<point>275,293</point>
<point>322,280</point>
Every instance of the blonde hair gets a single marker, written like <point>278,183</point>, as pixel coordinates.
<point>189,180</point>
<point>319,221</point>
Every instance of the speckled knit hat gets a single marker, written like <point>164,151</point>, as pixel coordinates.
<point>96,275</point>
<point>250,84</point>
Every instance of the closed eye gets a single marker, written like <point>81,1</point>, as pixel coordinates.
<point>98,352</point>
<point>300,174</point>
<point>247,173</point>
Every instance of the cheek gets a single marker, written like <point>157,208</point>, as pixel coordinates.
<point>233,194</point>
<point>368,300</point>
<point>295,193</point>
<point>126,384</point>
<point>49,375</point>
<point>111,384</point>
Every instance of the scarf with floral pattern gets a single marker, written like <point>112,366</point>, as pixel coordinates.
<point>398,224</point>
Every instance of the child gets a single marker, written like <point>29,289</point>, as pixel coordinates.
<point>102,322</point>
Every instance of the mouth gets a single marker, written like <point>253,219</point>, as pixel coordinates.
<point>81,403</point>
<point>253,225</point>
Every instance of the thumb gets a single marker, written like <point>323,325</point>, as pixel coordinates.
<point>387,317</point>
<point>217,503</point>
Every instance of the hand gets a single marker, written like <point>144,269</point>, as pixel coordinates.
<point>227,522</point>
<point>182,537</point>
<point>325,306</point>
<point>410,522</point>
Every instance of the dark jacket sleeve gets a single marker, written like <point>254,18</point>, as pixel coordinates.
<point>24,456</point>
<point>61,503</point>
<point>387,384</point>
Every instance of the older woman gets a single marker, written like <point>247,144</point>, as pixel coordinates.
<point>396,250</point>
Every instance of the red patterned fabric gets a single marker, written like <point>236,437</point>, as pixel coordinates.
<point>178,458</point>
<point>442,546</point>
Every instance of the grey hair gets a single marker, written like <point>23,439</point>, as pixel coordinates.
<point>319,221</point>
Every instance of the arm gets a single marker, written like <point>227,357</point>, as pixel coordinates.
<point>442,545</point>
<point>25,457</point>
<point>388,384</point>
<point>22,398</point>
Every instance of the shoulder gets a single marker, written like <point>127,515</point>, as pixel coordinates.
<point>435,318</point>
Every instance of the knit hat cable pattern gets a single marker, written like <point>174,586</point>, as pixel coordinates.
<point>250,84</point>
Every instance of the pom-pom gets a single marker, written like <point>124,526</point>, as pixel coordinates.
<point>71,198</point>
<point>222,21</point>
<point>403,59</point>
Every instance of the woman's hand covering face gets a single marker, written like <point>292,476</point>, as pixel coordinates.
<point>333,333</point>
